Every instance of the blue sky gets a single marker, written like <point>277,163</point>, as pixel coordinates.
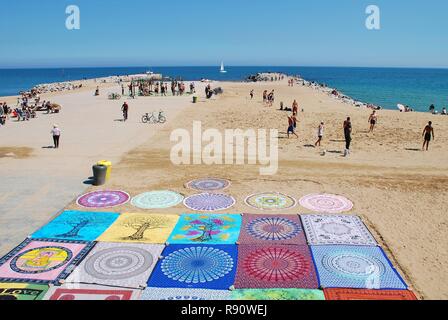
<point>240,32</point>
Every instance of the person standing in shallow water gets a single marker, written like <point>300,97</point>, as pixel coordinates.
<point>347,135</point>
<point>56,133</point>
<point>428,133</point>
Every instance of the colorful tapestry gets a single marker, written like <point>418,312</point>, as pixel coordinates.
<point>271,201</point>
<point>275,266</point>
<point>103,199</point>
<point>117,265</point>
<point>22,291</point>
<point>277,294</point>
<point>206,229</point>
<point>334,229</point>
<point>77,225</point>
<point>271,229</point>
<point>85,292</point>
<point>42,261</point>
<point>355,267</point>
<point>208,185</point>
<point>201,267</point>
<point>140,228</point>
<point>358,294</point>
<point>157,200</point>
<point>176,294</point>
<point>207,202</point>
<point>326,203</point>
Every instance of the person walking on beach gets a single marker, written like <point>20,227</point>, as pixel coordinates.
<point>320,134</point>
<point>292,124</point>
<point>373,119</point>
<point>56,133</point>
<point>295,107</point>
<point>428,133</point>
<point>347,135</point>
<point>251,94</point>
<point>265,96</point>
<point>125,110</point>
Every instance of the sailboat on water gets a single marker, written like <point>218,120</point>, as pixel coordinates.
<point>223,70</point>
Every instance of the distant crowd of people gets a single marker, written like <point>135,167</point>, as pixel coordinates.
<point>26,109</point>
<point>157,88</point>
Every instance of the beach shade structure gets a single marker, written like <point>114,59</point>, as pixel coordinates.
<point>124,265</point>
<point>177,294</point>
<point>277,294</point>
<point>336,229</point>
<point>196,266</point>
<point>208,184</point>
<point>270,201</point>
<point>275,266</point>
<point>355,267</point>
<point>103,199</point>
<point>272,229</point>
<point>22,291</point>
<point>360,294</point>
<point>77,225</point>
<point>140,228</point>
<point>206,229</point>
<point>161,199</point>
<point>42,261</point>
<point>209,202</point>
<point>326,203</point>
<point>86,292</point>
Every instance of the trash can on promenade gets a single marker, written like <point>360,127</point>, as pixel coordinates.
<point>99,175</point>
<point>195,99</point>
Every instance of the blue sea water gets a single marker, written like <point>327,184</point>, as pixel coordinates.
<point>386,87</point>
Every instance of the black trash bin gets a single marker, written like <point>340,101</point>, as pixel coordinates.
<point>99,175</point>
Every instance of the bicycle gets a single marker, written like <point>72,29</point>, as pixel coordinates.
<point>147,118</point>
<point>114,96</point>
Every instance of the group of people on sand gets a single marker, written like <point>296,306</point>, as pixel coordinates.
<point>268,98</point>
<point>433,110</point>
<point>24,110</point>
<point>428,132</point>
<point>157,88</point>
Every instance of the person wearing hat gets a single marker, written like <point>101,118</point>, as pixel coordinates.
<point>56,132</point>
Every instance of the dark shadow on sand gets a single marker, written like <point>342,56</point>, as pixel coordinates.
<point>413,149</point>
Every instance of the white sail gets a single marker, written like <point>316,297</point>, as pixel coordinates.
<point>222,68</point>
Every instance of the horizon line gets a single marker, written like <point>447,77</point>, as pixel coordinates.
<point>228,66</point>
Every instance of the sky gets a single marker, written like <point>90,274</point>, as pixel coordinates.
<point>239,32</point>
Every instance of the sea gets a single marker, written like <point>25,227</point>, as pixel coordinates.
<point>386,87</point>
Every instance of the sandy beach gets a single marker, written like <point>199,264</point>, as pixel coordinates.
<point>398,190</point>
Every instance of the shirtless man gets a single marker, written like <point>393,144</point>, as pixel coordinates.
<point>295,107</point>
<point>428,133</point>
<point>291,127</point>
<point>373,119</point>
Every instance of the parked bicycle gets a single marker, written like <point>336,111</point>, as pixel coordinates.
<point>114,96</point>
<point>153,119</point>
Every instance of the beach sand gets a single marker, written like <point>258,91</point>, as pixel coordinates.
<point>399,191</point>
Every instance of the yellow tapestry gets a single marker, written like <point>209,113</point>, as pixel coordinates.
<point>140,228</point>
